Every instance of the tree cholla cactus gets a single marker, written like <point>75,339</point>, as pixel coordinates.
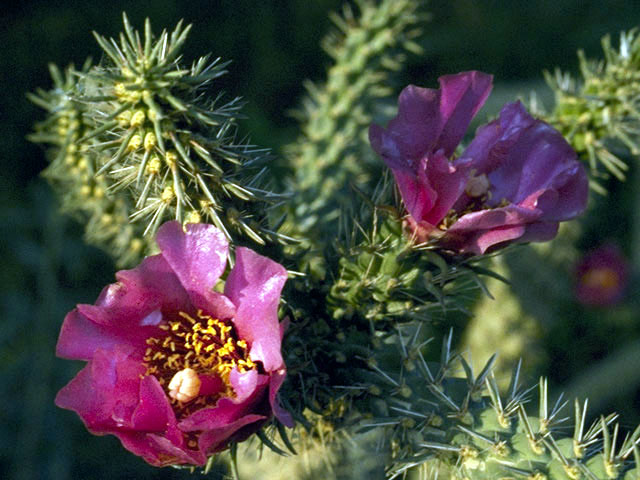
<point>599,114</point>
<point>442,417</point>
<point>329,157</point>
<point>136,142</point>
<point>154,138</point>
<point>72,171</point>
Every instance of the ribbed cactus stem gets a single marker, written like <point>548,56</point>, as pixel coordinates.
<point>331,154</point>
<point>154,140</point>
<point>598,114</point>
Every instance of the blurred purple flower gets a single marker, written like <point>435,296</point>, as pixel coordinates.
<point>175,369</point>
<point>601,277</point>
<point>514,183</point>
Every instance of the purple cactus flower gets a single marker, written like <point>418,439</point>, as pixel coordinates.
<point>601,277</point>
<point>175,369</point>
<point>514,183</point>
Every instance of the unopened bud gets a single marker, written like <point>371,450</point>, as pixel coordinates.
<point>153,167</point>
<point>193,217</point>
<point>171,158</point>
<point>135,143</point>
<point>149,141</point>
<point>168,194</point>
<point>124,118</point>
<point>137,119</point>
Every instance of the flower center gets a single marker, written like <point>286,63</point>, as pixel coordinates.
<point>194,359</point>
<point>602,278</point>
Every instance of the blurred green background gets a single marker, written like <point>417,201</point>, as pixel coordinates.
<point>47,269</point>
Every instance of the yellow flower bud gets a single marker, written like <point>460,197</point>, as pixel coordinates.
<point>136,245</point>
<point>134,143</point>
<point>168,194</point>
<point>138,118</point>
<point>124,118</point>
<point>153,167</point>
<point>149,141</point>
<point>193,217</point>
<point>119,89</point>
<point>171,157</point>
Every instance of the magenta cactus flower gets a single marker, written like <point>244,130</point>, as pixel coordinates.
<point>177,370</point>
<point>514,183</point>
<point>601,277</point>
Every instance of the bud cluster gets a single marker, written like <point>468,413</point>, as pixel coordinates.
<point>147,137</point>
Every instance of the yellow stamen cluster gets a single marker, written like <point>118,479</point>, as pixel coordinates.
<point>191,347</point>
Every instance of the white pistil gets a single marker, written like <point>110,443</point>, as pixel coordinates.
<point>477,186</point>
<point>185,385</point>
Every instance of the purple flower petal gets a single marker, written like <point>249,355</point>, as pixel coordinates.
<point>447,181</point>
<point>476,232</point>
<point>602,277</point>
<point>430,120</point>
<point>522,157</point>
<point>461,98</point>
<point>416,192</point>
<point>254,287</point>
<point>515,160</point>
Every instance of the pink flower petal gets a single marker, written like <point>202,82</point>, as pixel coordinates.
<point>198,257</point>
<point>488,238</point>
<point>215,440</point>
<point>417,195</point>
<point>244,384</point>
<point>447,181</point>
<point>254,287</point>
<point>108,383</point>
<point>113,394</point>
<point>80,337</point>
<point>277,378</point>
<point>153,412</point>
<point>227,410</point>
<point>166,452</point>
